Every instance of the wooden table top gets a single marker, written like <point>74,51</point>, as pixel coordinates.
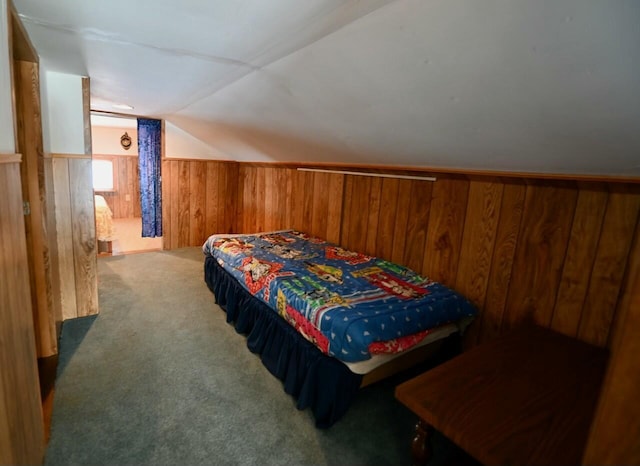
<point>525,398</point>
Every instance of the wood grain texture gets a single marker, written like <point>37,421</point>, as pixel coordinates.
<point>387,217</point>
<point>52,239</point>
<point>608,270</point>
<point>21,426</point>
<point>533,397</point>
<point>166,205</point>
<point>401,221</point>
<point>417,224</point>
<point>184,204</point>
<point>197,200</point>
<point>489,325</point>
<point>83,234</point>
<point>537,267</point>
<point>64,222</point>
<point>124,202</point>
<point>580,255</point>
<point>478,241</point>
<point>29,130</point>
<point>615,430</point>
<point>446,225</point>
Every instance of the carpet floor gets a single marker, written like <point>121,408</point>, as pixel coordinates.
<point>159,377</point>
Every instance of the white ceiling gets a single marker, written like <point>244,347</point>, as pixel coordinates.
<point>519,85</point>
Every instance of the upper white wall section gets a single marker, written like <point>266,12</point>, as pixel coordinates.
<point>515,85</point>
<point>7,136</point>
<point>63,113</point>
<point>106,140</point>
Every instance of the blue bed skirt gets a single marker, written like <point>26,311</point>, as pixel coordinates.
<point>316,381</point>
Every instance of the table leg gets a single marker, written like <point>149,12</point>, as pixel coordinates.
<point>420,448</point>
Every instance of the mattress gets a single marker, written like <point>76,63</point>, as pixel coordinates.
<point>357,308</point>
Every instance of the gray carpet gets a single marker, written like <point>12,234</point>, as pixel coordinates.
<point>159,377</point>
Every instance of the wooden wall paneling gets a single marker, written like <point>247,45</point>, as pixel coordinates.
<point>289,175</point>
<point>242,187</point>
<point>83,232</point>
<point>608,270</point>
<point>21,425</point>
<point>175,203</point>
<point>417,224</point>
<point>280,199</point>
<point>387,218</point>
<point>52,239</point>
<point>615,429</point>
<point>307,210</point>
<point>231,171</point>
<point>373,217</point>
<point>489,322</point>
<point>271,199</point>
<point>540,251</point>
<point>579,259</point>
<point>124,187</point>
<point>229,181</point>
<point>212,199</point>
<point>260,199</point>
<point>446,224</point>
<point>334,208</point>
<point>27,93</point>
<point>345,226</point>
<point>401,221</point>
<point>62,196</point>
<point>184,203</point>
<point>478,241</point>
<point>249,207</point>
<point>359,211</point>
<point>135,196</point>
<point>166,204</point>
<point>197,200</point>
<point>320,208</point>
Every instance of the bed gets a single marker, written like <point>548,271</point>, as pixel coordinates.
<point>326,320</point>
<point>104,219</point>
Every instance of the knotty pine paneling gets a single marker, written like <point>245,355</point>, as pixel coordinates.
<point>548,251</point>
<point>124,202</point>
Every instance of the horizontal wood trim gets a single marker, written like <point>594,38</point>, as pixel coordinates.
<point>407,169</point>
<point>10,158</point>
<point>70,156</point>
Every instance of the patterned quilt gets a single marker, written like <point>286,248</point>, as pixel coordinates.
<point>348,304</point>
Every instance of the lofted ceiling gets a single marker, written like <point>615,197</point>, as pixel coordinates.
<point>517,85</point>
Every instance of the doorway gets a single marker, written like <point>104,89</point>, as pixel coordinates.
<point>117,187</point>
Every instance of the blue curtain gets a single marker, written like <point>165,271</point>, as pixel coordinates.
<point>149,150</point>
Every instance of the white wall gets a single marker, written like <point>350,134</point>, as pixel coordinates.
<point>106,140</point>
<point>7,137</point>
<point>180,144</point>
<point>62,113</point>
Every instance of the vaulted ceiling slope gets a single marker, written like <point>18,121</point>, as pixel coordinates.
<point>526,85</point>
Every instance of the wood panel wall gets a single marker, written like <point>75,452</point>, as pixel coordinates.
<point>124,202</point>
<point>549,251</point>
<point>21,427</point>
<point>29,131</point>
<point>199,199</point>
<point>76,227</point>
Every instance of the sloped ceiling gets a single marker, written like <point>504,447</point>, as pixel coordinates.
<point>524,85</point>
